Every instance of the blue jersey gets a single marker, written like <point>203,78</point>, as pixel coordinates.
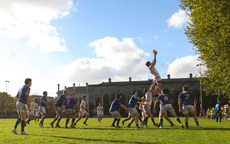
<point>70,103</point>
<point>132,101</point>
<point>41,101</point>
<point>164,99</point>
<point>60,100</point>
<point>187,98</point>
<point>115,105</point>
<point>217,107</point>
<point>22,94</point>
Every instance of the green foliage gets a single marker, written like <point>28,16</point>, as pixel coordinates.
<point>7,104</point>
<point>209,31</point>
<point>211,133</point>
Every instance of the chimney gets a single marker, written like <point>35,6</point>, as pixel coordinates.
<point>58,87</point>
<point>168,76</point>
<point>190,75</point>
<point>65,87</point>
<point>87,84</point>
<point>109,80</point>
<point>130,79</point>
<point>74,86</point>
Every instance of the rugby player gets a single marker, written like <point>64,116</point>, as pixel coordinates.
<point>32,111</point>
<point>100,112</point>
<point>43,108</point>
<point>83,111</point>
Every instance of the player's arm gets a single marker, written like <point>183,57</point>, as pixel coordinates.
<point>151,87</point>
<point>154,59</point>
<point>156,103</point>
<point>28,99</point>
<point>124,107</point>
<point>195,102</point>
<point>17,95</point>
<point>45,102</point>
<point>76,105</point>
<point>179,103</point>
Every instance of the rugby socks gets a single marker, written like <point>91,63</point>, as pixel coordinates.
<point>23,124</point>
<point>115,119</point>
<point>178,119</point>
<point>140,119</point>
<point>118,120</point>
<point>66,123</point>
<point>186,124</point>
<point>161,122</point>
<point>197,124</point>
<point>18,121</point>
<point>146,122</point>
<point>153,121</point>
<point>73,119</point>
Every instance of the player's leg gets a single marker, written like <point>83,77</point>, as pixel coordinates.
<point>130,123</point>
<point>18,121</point>
<point>173,113</point>
<point>168,119</point>
<point>118,116</point>
<point>67,120</point>
<point>56,117</point>
<point>73,119</point>
<point>159,87</point>
<point>86,118</point>
<point>79,118</point>
<point>186,120</point>
<point>23,123</point>
<point>161,114</point>
<point>220,117</point>
<point>128,118</point>
<point>136,119</point>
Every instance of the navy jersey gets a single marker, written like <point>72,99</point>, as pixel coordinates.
<point>60,100</point>
<point>41,101</point>
<point>70,103</point>
<point>132,101</point>
<point>164,99</point>
<point>115,105</point>
<point>22,94</point>
<point>187,98</point>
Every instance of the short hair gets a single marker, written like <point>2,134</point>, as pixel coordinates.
<point>65,90</point>
<point>165,91</point>
<point>147,63</point>
<point>134,92</point>
<point>72,94</point>
<point>145,90</point>
<point>27,81</point>
<point>118,95</point>
<point>185,87</point>
<point>84,96</point>
<point>45,92</point>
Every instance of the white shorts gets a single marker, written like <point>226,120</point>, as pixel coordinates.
<point>100,113</point>
<point>157,78</point>
<point>42,110</point>
<point>69,111</point>
<point>187,109</point>
<point>113,113</point>
<point>132,112</point>
<point>146,109</point>
<point>21,107</point>
<point>59,110</point>
<point>37,113</point>
<point>31,114</point>
<point>83,113</point>
<point>167,108</point>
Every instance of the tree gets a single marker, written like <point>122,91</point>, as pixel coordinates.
<point>208,30</point>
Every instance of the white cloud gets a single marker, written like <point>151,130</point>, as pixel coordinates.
<point>32,20</point>
<point>156,37</point>
<point>178,19</point>
<point>115,59</point>
<point>182,67</point>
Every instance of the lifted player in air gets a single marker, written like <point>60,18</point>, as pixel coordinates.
<point>155,73</point>
<point>100,112</point>
<point>59,108</point>
<point>32,111</point>
<point>70,111</point>
<point>22,106</point>
<point>147,105</point>
<point>114,110</point>
<point>83,111</point>
<point>44,107</point>
<point>185,100</point>
<point>166,106</point>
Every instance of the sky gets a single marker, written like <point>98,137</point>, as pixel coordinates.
<point>78,41</point>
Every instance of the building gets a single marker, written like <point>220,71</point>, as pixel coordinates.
<point>105,91</point>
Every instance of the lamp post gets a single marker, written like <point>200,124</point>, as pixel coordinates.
<point>6,81</point>
<point>201,102</point>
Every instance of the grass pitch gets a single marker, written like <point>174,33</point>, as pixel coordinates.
<point>211,133</point>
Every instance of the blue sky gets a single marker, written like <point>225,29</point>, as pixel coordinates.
<point>83,41</point>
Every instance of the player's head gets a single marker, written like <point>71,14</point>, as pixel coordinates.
<point>99,104</point>
<point>72,95</point>
<point>36,100</point>
<point>84,98</point>
<point>148,63</point>
<point>45,93</point>
<point>28,82</point>
<point>65,92</point>
<point>165,91</point>
<point>145,90</point>
<point>185,88</point>
<point>135,93</point>
<point>118,96</point>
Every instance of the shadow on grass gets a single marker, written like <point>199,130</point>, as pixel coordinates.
<point>97,140</point>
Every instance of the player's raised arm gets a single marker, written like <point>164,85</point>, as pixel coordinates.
<point>151,87</point>
<point>156,103</point>
<point>154,59</point>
